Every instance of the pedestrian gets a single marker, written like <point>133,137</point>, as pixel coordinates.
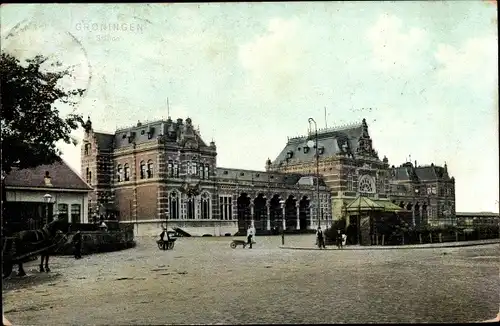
<point>162,236</point>
<point>250,236</point>
<point>344,239</point>
<point>320,238</point>
<point>339,239</point>
<point>77,245</point>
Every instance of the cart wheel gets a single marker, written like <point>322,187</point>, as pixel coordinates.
<point>160,245</point>
<point>233,245</point>
<point>171,245</point>
<point>6,269</point>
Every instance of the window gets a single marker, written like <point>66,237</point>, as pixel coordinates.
<point>89,176</point>
<point>205,206</point>
<point>350,183</point>
<point>176,169</point>
<point>143,170</point>
<point>63,212</point>
<point>206,171</point>
<point>75,213</point>
<point>226,207</point>
<point>194,168</point>
<point>190,206</point>
<point>366,184</point>
<point>87,149</point>
<point>170,168</point>
<point>150,169</point>
<point>126,171</point>
<point>173,203</point>
<point>119,173</point>
<point>433,190</point>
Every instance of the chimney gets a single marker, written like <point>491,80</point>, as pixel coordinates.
<point>47,179</point>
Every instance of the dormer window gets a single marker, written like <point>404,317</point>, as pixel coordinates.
<point>124,136</point>
<point>321,150</point>
<point>242,174</point>
<point>306,149</point>
<point>143,132</point>
<point>151,131</point>
<point>289,155</point>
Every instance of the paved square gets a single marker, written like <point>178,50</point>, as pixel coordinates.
<point>204,281</point>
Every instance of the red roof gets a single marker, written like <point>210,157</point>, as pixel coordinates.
<point>61,177</point>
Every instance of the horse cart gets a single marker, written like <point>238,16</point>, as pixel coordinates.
<point>14,252</point>
<point>166,244</point>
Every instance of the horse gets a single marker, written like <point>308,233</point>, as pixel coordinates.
<point>45,237</point>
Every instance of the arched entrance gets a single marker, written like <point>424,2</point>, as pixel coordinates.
<point>291,213</point>
<point>243,212</point>
<point>276,213</point>
<point>305,213</point>
<point>260,212</point>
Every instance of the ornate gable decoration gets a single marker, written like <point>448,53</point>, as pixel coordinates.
<point>187,137</point>
<point>365,143</point>
<point>191,189</point>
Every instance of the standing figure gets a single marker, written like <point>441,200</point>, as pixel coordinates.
<point>339,239</point>
<point>250,236</point>
<point>320,238</point>
<point>162,238</point>
<point>77,245</point>
<point>344,239</point>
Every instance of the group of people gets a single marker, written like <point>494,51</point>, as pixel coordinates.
<point>340,240</point>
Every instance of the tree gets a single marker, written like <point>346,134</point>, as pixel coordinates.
<point>30,121</point>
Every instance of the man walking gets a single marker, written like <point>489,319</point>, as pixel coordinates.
<point>250,236</point>
<point>320,238</point>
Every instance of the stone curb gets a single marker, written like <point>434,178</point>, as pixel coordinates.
<point>451,245</point>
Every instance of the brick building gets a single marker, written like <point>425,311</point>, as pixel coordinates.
<point>163,172</point>
<point>351,168</point>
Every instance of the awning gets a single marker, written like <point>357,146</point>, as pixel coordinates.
<point>364,204</point>
<point>389,206</point>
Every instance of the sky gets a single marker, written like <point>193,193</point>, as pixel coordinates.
<point>423,74</point>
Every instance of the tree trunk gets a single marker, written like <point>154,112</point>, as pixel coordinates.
<point>456,236</point>
<point>383,238</point>
<point>440,237</point>
<point>430,237</point>
<point>420,237</point>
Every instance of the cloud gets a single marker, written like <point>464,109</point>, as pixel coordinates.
<point>393,49</point>
<point>273,60</point>
<point>474,63</point>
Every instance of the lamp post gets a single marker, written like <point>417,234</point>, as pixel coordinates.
<point>310,143</point>
<point>282,204</point>
<point>47,198</point>
<point>414,199</point>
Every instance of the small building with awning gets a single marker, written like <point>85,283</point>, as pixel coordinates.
<point>365,212</point>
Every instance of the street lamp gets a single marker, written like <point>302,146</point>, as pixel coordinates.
<point>283,222</point>
<point>47,198</point>
<point>413,215</point>
<point>310,143</point>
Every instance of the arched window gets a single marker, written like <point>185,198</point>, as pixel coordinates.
<point>143,170</point>
<point>205,206</point>
<point>190,206</point>
<point>366,184</point>
<point>173,203</point>
<point>170,168</point>
<point>119,173</point>
<point>176,169</point>
<point>126,171</point>
<point>150,169</point>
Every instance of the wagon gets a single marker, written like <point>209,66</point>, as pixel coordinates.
<point>236,243</point>
<point>166,244</point>
<point>13,255</point>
